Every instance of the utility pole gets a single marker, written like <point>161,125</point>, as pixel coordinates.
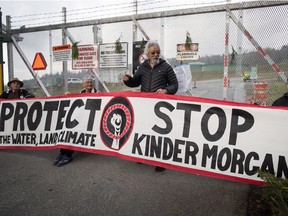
<point>64,63</point>
<point>96,41</point>
<point>239,56</point>
<point>135,5</point>
<point>10,49</point>
<point>51,63</point>
<point>1,57</point>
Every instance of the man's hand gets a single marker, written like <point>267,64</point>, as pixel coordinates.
<point>161,91</point>
<point>126,77</point>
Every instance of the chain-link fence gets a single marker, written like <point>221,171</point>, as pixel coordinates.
<point>252,79</point>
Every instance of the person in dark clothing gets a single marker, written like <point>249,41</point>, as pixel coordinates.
<point>282,101</point>
<point>154,75</point>
<point>15,91</point>
<point>65,155</point>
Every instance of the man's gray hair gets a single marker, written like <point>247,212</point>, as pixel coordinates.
<point>87,77</point>
<point>149,44</point>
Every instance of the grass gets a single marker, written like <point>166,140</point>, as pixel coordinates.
<point>276,86</point>
<point>265,74</point>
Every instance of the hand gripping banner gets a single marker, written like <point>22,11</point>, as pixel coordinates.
<point>201,136</point>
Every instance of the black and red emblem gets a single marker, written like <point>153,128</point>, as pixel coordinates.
<point>116,123</point>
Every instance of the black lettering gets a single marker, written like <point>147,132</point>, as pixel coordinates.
<point>136,144</point>
<point>62,113</point>
<point>167,148</point>
<point>74,123</point>
<point>207,152</point>
<point>238,160</point>
<point>19,115</point>
<point>147,146</point>
<point>236,128</point>
<point>164,117</point>
<point>61,135</point>
<point>267,164</point>
<point>9,108</point>
<point>254,169</point>
<point>80,139</point>
<point>225,153</point>
<point>34,116</point>
<point>191,153</point>
<point>50,107</point>
<point>93,139</point>
<point>221,124</point>
<point>156,147</point>
<point>282,167</point>
<point>188,108</point>
<point>177,150</point>
<point>93,105</point>
<point>70,135</point>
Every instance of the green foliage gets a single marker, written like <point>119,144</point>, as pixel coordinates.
<point>275,192</point>
<point>118,46</point>
<point>188,41</point>
<point>233,55</point>
<point>75,53</point>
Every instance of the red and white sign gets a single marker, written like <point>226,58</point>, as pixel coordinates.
<point>87,57</point>
<point>62,53</point>
<point>184,54</point>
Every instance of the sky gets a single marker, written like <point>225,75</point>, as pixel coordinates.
<point>207,30</point>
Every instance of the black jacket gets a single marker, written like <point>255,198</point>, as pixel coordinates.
<point>22,94</point>
<point>282,101</point>
<point>161,76</point>
<point>93,91</point>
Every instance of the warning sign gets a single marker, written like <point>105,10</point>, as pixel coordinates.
<point>87,57</point>
<point>39,62</point>
<point>62,53</point>
<point>187,54</point>
<point>138,56</point>
<point>110,59</point>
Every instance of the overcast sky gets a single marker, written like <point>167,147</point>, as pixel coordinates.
<point>206,29</point>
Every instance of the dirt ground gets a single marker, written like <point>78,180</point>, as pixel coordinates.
<point>257,206</point>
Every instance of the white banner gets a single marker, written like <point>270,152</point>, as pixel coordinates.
<point>202,136</point>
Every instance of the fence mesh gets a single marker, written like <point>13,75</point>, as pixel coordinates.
<point>247,70</point>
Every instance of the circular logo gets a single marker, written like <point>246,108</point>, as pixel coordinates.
<point>116,123</point>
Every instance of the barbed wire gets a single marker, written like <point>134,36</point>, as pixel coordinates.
<point>98,8</point>
<point>106,12</point>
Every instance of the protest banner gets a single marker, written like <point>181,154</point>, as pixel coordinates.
<point>202,136</point>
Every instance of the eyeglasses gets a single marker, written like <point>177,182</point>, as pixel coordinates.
<point>153,53</point>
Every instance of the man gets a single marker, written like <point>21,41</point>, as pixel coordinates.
<point>154,75</point>
<point>282,101</point>
<point>65,155</point>
<point>15,91</point>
